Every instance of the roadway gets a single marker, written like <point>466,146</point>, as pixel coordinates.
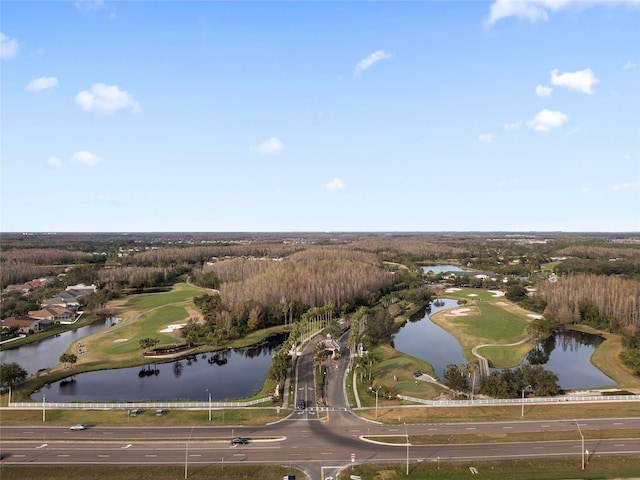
<point>316,440</point>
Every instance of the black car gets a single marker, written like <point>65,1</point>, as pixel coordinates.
<point>301,404</point>
<point>239,441</point>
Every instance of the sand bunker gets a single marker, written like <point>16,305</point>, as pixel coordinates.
<point>497,293</point>
<point>534,315</point>
<point>172,328</point>
<point>502,304</point>
<point>451,290</point>
<point>473,295</point>
<point>458,312</point>
<point>120,340</point>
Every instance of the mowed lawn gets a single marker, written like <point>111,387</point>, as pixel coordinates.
<point>486,319</point>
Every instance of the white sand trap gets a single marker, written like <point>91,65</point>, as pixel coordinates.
<point>120,340</point>
<point>502,304</point>
<point>534,315</point>
<point>451,290</point>
<point>172,328</point>
<point>473,295</point>
<point>497,293</point>
<point>458,312</point>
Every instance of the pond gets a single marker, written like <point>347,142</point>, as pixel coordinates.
<point>227,375</point>
<point>45,353</point>
<point>443,268</point>
<point>567,354</point>
<point>422,338</point>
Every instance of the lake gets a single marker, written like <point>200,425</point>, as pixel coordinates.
<point>228,375</point>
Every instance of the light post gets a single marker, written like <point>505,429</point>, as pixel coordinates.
<point>407,435</point>
<point>376,392</point>
<point>186,454</point>
<point>44,417</point>
<point>582,443</point>
<point>209,403</point>
<point>523,390</point>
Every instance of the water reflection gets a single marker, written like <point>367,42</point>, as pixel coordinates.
<point>228,374</point>
<point>424,339</point>
<point>568,354</point>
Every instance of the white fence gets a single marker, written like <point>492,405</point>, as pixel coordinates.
<point>519,401</point>
<point>133,405</point>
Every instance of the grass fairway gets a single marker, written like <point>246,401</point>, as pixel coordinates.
<point>487,319</point>
<point>536,469</point>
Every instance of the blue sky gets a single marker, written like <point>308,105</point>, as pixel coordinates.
<point>509,115</point>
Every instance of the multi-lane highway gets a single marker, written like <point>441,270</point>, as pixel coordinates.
<point>310,439</point>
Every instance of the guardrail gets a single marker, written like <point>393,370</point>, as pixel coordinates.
<point>133,405</point>
<point>519,401</point>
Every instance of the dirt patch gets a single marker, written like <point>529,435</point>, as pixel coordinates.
<point>385,474</point>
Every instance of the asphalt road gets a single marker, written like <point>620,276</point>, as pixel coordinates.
<point>317,440</point>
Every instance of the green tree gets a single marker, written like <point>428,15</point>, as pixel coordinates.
<point>456,378</point>
<point>68,359</point>
<point>11,373</point>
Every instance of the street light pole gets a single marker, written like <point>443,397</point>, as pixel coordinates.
<point>44,418</point>
<point>376,392</point>
<point>407,435</point>
<point>209,404</point>
<point>523,390</point>
<point>582,442</point>
<point>186,454</point>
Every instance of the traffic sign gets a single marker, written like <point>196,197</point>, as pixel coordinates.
<point>353,457</point>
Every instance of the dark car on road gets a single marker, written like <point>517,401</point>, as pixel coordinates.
<point>239,441</point>
<point>301,404</point>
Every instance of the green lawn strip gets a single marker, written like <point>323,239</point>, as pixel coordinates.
<point>522,469</point>
<point>223,471</point>
<point>146,417</point>
<point>506,437</point>
<point>495,413</point>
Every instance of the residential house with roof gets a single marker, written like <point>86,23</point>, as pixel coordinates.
<point>26,324</point>
<point>54,314</point>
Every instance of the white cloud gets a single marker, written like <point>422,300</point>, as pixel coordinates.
<point>629,65</point>
<point>534,10</point>
<point>485,138</point>
<point>54,162</point>
<point>106,99</point>
<point>623,186</point>
<point>42,83</point>
<point>85,158</point>
<point>513,125</point>
<point>90,5</point>
<point>269,147</point>
<point>543,91</point>
<point>335,184</point>
<point>370,61</point>
<point>545,120</point>
<point>582,80</point>
<point>8,47</point>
